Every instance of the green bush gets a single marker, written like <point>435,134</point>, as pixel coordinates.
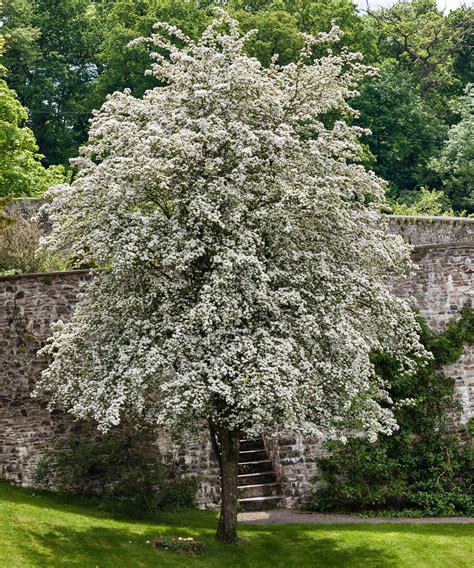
<point>122,467</point>
<point>20,242</point>
<point>425,468</point>
<point>423,202</point>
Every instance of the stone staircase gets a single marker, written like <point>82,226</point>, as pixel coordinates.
<point>258,486</point>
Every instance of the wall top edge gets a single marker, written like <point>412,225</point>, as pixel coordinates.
<point>435,246</point>
<point>430,219</point>
<point>29,199</point>
<point>47,274</point>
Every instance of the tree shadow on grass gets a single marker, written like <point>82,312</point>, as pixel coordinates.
<point>109,547</point>
<point>95,508</point>
<point>90,539</point>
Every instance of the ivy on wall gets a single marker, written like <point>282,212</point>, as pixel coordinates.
<point>423,469</point>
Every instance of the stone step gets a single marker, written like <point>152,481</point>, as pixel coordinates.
<point>255,466</point>
<point>259,503</point>
<point>252,455</point>
<point>252,444</point>
<point>256,478</point>
<point>259,490</point>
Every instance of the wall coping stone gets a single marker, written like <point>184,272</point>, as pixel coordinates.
<point>429,219</point>
<point>49,274</point>
<point>436,246</point>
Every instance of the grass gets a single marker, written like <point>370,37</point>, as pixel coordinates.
<point>45,530</point>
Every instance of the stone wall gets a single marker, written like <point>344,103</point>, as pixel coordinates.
<point>294,460</point>
<point>28,304</point>
<point>440,287</point>
<point>443,284</point>
<point>25,207</point>
<point>419,230</point>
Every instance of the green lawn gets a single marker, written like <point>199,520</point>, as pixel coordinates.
<point>45,530</point>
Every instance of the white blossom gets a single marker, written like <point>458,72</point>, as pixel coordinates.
<point>249,262</point>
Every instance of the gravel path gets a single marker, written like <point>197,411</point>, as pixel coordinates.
<point>288,517</point>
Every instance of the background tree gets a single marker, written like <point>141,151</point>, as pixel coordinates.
<point>424,202</point>
<point>123,66</point>
<point>314,16</point>
<point>53,69</point>
<point>277,32</point>
<point>426,41</point>
<point>65,58</point>
<point>456,162</point>
<point>405,131</point>
<point>21,171</point>
<point>424,58</point>
<point>279,24</point>
<point>249,266</point>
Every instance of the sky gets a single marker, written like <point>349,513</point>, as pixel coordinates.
<point>442,4</point>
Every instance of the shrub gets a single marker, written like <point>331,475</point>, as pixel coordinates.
<point>424,202</point>
<point>122,467</point>
<point>422,469</point>
<point>20,234</point>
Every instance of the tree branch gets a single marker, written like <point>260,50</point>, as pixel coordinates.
<point>215,444</point>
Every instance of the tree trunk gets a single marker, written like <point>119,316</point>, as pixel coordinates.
<point>226,444</point>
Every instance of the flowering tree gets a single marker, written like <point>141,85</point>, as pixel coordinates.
<point>248,259</point>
